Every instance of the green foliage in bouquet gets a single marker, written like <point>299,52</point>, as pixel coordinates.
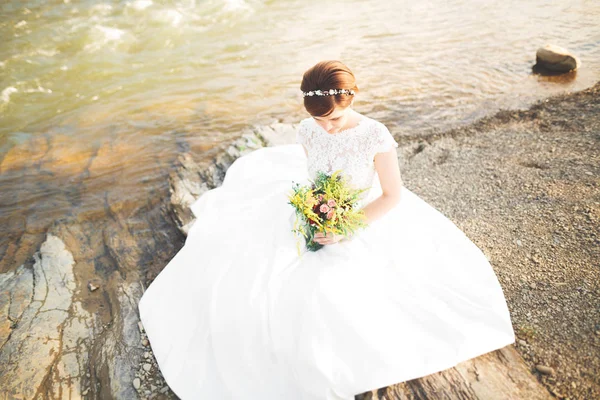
<point>328,204</point>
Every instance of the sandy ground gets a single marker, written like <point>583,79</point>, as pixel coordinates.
<point>523,185</point>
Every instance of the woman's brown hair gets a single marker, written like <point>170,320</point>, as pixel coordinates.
<point>327,75</point>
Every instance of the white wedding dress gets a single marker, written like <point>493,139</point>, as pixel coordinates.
<point>238,314</point>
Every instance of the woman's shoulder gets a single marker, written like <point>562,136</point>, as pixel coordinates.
<point>304,131</point>
<point>372,129</point>
<point>373,123</point>
<point>379,136</point>
<point>306,122</point>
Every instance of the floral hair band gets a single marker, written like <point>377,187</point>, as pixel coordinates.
<point>329,92</point>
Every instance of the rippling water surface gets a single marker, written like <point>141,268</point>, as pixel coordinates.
<point>97,98</point>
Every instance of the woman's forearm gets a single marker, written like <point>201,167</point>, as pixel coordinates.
<point>380,206</point>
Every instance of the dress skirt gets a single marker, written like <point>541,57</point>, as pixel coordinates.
<point>239,314</point>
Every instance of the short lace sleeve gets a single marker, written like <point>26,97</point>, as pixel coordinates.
<point>300,134</point>
<point>383,141</point>
<point>303,133</point>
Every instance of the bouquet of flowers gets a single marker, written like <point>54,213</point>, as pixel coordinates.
<point>326,205</point>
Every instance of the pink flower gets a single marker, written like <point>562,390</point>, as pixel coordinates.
<point>321,197</point>
<point>324,208</point>
<point>331,203</point>
<point>331,214</point>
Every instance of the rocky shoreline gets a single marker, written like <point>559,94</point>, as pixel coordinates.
<point>523,185</point>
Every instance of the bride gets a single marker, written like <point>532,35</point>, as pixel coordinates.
<point>239,314</point>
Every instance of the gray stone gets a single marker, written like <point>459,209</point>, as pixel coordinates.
<point>277,133</point>
<point>39,346</point>
<point>119,362</point>
<point>556,59</point>
<point>189,180</point>
<point>185,186</point>
<point>544,369</point>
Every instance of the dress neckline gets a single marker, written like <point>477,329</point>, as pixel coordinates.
<point>362,120</point>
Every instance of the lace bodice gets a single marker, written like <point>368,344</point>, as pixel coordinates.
<point>351,150</point>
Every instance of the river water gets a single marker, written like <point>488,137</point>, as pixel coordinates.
<point>98,98</point>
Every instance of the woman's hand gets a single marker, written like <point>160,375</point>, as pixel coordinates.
<point>330,238</point>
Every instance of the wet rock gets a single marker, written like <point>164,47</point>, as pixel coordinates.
<point>122,364</point>
<point>55,334</point>
<point>125,204</point>
<point>15,296</point>
<point>24,155</point>
<point>53,207</point>
<point>555,59</point>
<point>123,249</point>
<point>185,187</point>
<point>112,156</point>
<point>276,134</point>
<point>190,180</point>
<point>19,247</point>
<point>49,325</point>
<point>118,173</point>
<point>67,156</point>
